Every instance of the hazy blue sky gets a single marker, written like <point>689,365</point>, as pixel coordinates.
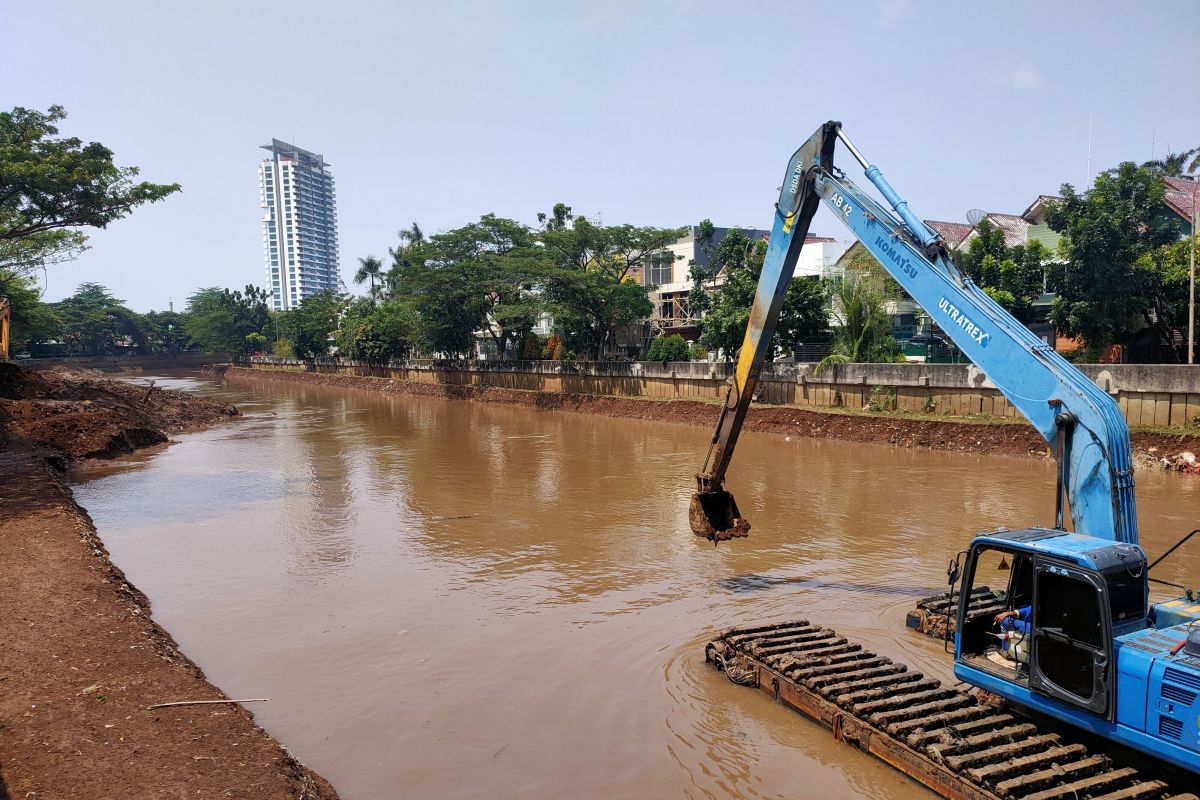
<point>652,113</point>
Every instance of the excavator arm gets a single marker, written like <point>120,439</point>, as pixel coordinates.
<point>1081,422</point>
<point>713,512</point>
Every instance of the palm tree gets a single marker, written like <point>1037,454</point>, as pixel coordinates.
<point>410,238</point>
<point>863,322</point>
<point>412,234</point>
<point>370,269</point>
<point>1171,165</point>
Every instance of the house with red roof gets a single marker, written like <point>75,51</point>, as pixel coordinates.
<point>1180,200</point>
<point>1019,229</point>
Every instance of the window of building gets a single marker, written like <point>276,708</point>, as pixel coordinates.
<point>661,268</point>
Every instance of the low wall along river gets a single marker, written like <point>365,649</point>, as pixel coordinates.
<point>1158,395</point>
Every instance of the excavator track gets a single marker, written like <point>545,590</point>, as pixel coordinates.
<point>946,739</point>
<point>934,614</point>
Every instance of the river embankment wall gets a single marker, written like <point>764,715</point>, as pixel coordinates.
<point>1150,395</point>
<point>1153,447</point>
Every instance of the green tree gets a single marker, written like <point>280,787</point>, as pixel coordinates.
<point>33,322</point>
<point>370,269</point>
<point>862,331</point>
<point>479,277</point>
<point>593,279</point>
<point>1105,291</point>
<point>508,266</point>
<point>219,320</point>
<point>49,186</point>
<point>669,348</point>
<point>309,327</point>
<point>96,323</point>
<point>1168,268</point>
<point>165,332</point>
<point>28,254</point>
<point>49,183</point>
<point>983,255</point>
<point>1172,164</point>
<point>410,239</point>
<point>255,342</point>
<point>375,333</point>
<point>738,261</point>
<point>1012,276</point>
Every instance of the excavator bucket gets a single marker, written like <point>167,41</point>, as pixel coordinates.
<point>715,515</point>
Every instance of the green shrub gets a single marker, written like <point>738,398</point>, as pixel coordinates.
<point>669,348</point>
<point>532,347</point>
<point>256,342</point>
<point>881,399</point>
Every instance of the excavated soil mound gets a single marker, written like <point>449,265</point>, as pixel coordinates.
<point>81,660</point>
<point>74,415</point>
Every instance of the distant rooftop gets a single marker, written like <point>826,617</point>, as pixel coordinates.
<point>1016,228</point>
<point>281,148</point>
<point>952,232</point>
<point>1181,196</point>
<point>1038,204</point>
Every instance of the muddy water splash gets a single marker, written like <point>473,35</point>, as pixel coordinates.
<point>442,599</point>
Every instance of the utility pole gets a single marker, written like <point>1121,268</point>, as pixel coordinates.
<point>1192,280</point>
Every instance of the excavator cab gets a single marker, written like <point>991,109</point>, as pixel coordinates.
<point>1068,597</point>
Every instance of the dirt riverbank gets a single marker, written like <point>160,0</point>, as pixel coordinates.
<point>82,660</point>
<point>1152,449</point>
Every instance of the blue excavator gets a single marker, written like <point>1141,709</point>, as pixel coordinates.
<point>1094,652</point>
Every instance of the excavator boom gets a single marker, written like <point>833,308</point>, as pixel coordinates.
<point>1080,421</point>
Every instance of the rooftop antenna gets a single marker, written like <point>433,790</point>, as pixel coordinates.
<point>976,215</point>
<point>1089,156</point>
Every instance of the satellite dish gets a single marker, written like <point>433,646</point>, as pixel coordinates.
<point>976,215</point>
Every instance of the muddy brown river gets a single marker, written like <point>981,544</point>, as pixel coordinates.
<point>446,599</point>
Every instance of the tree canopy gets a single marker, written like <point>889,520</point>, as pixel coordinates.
<point>1106,289</point>
<point>220,320</point>
<point>48,182</point>
<point>593,277</point>
<point>739,260</point>
<point>49,187</point>
<point>1012,276</point>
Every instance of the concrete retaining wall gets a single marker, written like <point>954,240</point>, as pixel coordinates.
<point>1160,395</point>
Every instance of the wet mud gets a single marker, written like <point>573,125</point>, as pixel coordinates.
<point>81,659</point>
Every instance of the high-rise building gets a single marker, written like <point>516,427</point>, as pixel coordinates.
<point>299,224</point>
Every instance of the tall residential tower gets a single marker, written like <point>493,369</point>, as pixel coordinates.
<point>299,224</point>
